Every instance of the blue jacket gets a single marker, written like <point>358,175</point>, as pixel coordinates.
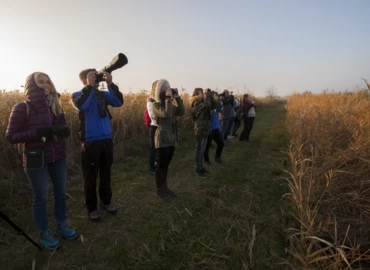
<point>215,121</point>
<point>94,116</point>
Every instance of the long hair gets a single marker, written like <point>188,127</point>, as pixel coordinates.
<point>245,96</point>
<point>197,91</point>
<point>56,106</point>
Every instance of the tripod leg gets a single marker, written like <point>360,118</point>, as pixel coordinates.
<point>19,230</point>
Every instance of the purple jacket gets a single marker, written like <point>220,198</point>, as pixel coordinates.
<point>24,130</point>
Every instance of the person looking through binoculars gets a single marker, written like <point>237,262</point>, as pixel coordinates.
<point>166,134</point>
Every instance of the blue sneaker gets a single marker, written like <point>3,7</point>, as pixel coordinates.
<point>49,241</point>
<point>66,231</point>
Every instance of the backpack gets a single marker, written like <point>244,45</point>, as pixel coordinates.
<point>20,146</point>
<point>147,119</point>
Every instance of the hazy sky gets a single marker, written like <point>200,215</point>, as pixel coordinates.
<point>302,45</point>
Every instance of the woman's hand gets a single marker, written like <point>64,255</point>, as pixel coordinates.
<point>169,92</point>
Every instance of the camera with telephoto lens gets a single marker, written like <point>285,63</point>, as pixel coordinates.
<point>117,62</point>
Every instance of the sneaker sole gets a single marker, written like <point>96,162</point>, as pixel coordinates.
<point>201,176</point>
<point>68,238</point>
<point>110,212</point>
<point>162,199</point>
<point>52,248</point>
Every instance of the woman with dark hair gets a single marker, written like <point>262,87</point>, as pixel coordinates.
<point>248,113</point>
<point>216,134</point>
<point>202,106</point>
<point>41,125</point>
<point>165,136</point>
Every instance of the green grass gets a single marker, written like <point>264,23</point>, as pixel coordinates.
<point>208,226</point>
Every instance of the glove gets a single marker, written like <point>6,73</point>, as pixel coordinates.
<point>45,132</point>
<point>63,132</point>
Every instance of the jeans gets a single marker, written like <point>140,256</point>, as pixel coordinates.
<point>224,126</point>
<point>164,155</point>
<point>152,151</point>
<point>39,183</point>
<point>200,145</point>
<point>97,159</point>
<point>217,137</point>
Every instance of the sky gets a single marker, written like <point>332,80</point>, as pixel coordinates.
<point>244,46</point>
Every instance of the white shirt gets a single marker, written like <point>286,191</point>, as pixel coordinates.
<point>252,112</point>
<point>149,106</point>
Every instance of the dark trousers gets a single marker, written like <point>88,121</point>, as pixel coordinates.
<point>152,151</point>
<point>224,126</point>
<point>97,159</point>
<point>164,157</point>
<point>200,145</point>
<point>248,125</point>
<point>217,137</point>
<point>237,124</point>
<point>230,125</point>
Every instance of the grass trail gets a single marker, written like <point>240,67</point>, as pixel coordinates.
<point>231,220</point>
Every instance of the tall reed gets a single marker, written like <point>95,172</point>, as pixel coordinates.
<point>330,180</point>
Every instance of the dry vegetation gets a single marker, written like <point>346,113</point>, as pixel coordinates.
<point>330,180</point>
<point>229,221</point>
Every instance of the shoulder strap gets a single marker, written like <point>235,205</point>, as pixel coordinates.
<point>36,111</point>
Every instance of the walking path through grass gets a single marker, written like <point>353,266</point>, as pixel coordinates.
<point>231,220</point>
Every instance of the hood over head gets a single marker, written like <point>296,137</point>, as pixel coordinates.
<point>160,89</point>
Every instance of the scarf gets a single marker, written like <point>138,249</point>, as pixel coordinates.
<point>49,100</point>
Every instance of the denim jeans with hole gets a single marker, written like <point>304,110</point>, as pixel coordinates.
<point>39,180</point>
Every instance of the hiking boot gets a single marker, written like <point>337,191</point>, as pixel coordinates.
<point>49,241</point>
<point>94,215</point>
<point>208,163</point>
<point>219,160</point>
<point>201,174</point>
<point>162,195</point>
<point>205,171</point>
<point>169,192</point>
<point>66,231</point>
<point>110,208</point>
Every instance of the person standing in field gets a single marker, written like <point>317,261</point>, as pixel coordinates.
<point>165,136</point>
<point>152,129</point>
<point>227,114</point>
<point>96,139</point>
<point>40,124</point>
<point>202,106</point>
<point>237,121</point>
<point>215,134</point>
<point>248,113</point>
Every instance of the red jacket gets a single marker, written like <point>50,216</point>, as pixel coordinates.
<point>23,129</point>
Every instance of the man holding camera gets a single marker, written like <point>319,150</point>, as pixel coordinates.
<point>96,137</point>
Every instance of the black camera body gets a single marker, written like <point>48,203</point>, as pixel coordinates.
<point>59,132</point>
<point>117,62</point>
<point>174,91</point>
